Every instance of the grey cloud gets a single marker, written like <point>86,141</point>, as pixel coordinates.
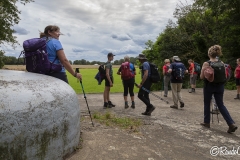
<point>20,31</point>
<point>121,38</point>
<point>79,50</point>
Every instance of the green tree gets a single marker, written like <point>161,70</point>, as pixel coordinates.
<point>9,16</point>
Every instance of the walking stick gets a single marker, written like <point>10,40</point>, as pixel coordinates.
<point>153,94</point>
<point>77,70</point>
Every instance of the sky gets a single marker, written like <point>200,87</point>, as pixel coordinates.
<point>93,28</point>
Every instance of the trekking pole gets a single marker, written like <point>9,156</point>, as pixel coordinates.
<point>77,70</point>
<point>153,94</point>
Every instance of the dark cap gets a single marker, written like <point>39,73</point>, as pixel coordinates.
<point>110,54</point>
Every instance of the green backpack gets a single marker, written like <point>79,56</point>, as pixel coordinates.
<point>219,71</point>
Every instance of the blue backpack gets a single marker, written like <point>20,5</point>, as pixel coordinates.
<point>197,67</point>
<point>178,70</point>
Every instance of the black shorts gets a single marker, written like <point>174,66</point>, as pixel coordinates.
<point>107,82</point>
<point>59,75</point>
<point>237,81</point>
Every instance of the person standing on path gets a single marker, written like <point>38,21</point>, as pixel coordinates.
<point>193,75</point>
<point>167,76</point>
<point>143,95</point>
<point>128,80</point>
<point>237,76</point>
<point>216,88</point>
<point>177,70</point>
<point>108,82</point>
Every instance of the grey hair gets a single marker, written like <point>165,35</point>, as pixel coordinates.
<point>126,58</point>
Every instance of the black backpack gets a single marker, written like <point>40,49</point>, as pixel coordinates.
<point>154,74</point>
<point>219,71</point>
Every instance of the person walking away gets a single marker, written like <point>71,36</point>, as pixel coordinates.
<point>108,82</point>
<point>56,53</point>
<point>237,76</point>
<point>127,72</point>
<point>177,70</point>
<point>193,75</point>
<point>216,88</point>
<point>143,95</point>
<point>166,76</point>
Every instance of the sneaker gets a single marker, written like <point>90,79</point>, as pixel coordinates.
<point>190,91</point>
<point>205,125</point>
<point>151,110</point>
<point>181,104</point>
<point>110,104</point>
<point>133,106</point>
<point>126,105</point>
<point>173,106</point>
<point>232,128</point>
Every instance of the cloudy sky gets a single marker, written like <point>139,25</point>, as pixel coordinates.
<point>92,28</point>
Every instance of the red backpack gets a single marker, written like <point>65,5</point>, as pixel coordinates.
<point>126,72</point>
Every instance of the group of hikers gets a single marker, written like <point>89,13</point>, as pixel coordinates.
<point>173,74</point>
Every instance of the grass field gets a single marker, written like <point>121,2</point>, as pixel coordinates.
<point>90,84</point>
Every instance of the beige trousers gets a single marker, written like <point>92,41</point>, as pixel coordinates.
<point>176,93</point>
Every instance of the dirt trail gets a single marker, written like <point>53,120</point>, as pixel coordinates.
<point>167,134</point>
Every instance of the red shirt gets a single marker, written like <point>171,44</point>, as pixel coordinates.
<point>191,67</point>
<point>237,72</point>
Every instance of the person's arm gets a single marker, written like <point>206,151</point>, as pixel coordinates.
<point>134,70</point>
<point>205,64</point>
<point>64,61</point>
<point>145,76</point>
<point>108,76</point>
<point>163,70</point>
<point>119,71</point>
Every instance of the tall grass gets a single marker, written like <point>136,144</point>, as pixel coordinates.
<point>90,84</point>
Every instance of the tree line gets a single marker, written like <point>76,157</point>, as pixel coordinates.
<point>11,60</point>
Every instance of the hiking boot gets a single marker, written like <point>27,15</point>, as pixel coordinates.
<point>110,104</point>
<point>193,90</point>
<point>181,104</point>
<point>174,107</point>
<point>126,105</point>
<point>133,106</point>
<point>232,128</point>
<point>190,91</point>
<point>105,106</point>
<point>205,125</point>
<point>146,113</point>
<point>237,97</point>
<point>151,110</point>
<point>165,95</point>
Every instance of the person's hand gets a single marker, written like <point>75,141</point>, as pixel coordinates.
<point>111,84</point>
<point>79,76</point>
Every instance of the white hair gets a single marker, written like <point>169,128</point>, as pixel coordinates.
<point>126,58</point>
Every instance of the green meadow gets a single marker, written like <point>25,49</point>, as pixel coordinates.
<point>90,84</point>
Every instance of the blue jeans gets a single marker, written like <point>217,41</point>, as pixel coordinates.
<point>217,90</point>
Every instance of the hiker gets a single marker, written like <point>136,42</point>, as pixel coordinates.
<point>108,82</point>
<point>167,76</point>
<point>193,75</point>
<point>177,70</point>
<point>55,49</point>
<point>127,72</point>
<point>146,83</point>
<point>216,88</point>
<point>237,76</point>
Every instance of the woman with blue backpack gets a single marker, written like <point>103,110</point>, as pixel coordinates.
<point>215,87</point>
<point>56,53</point>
